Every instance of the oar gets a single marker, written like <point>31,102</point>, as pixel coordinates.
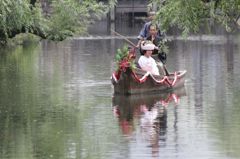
<point>164,66</point>
<point>124,38</point>
<point>165,69</point>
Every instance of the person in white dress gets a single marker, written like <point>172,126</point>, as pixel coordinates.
<point>146,62</point>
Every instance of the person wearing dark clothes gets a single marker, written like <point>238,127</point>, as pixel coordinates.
<point>144,33</point>
<point>154,37</point>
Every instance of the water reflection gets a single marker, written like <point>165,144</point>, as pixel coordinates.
<point>55,102</point>
<point>147,113</point>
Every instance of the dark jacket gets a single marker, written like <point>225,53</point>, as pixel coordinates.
<point>144,33</point>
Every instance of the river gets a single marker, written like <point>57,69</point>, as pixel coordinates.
<point>56,101</point>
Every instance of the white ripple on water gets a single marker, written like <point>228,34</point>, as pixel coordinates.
<point>87,83</point>
<point>98,88</point>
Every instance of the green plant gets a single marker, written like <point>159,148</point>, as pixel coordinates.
<point>163,47</point>
<point>189,15</point>
<point>121,53</point>
<point>124,58</point>
<point>64,18</point>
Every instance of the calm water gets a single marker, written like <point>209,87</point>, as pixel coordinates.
<point>56,102</point>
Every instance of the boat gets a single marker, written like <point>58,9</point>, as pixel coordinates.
<point>130,79</point>
<point>138,81</point>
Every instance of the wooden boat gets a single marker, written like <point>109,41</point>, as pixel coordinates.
<point>128,81</point>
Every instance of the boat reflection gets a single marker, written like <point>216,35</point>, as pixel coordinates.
<point>148,113</point>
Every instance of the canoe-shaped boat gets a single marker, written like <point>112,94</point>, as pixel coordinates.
<point>129,79</point>
<point>137,81</point>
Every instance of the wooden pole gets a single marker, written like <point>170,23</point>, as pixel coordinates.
<point>124,38</point>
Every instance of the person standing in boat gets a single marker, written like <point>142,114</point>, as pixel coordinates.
<point>144,33</point>
<point>154,37</point>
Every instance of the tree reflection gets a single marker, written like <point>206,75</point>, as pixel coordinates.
<point>44,110</point>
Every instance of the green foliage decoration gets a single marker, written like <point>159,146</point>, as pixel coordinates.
<point>122,55</point>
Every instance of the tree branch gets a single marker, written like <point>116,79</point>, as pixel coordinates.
<point>12,33</point>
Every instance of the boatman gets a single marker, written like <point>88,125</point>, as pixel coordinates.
<point>144,33</point>
<point>156,39</point>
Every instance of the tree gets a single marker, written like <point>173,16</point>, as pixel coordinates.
<point>66,18</point>
<point>189,15</point>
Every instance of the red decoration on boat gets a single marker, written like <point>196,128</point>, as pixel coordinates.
<point>131,80</point>
<point>124,64</point>
<point>164,80</point>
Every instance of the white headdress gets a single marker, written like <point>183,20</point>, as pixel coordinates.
<point>147,46</point>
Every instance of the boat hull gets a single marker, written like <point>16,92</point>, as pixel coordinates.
<point>138,82</point>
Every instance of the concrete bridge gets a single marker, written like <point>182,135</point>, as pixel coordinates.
<point>132,7</point>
